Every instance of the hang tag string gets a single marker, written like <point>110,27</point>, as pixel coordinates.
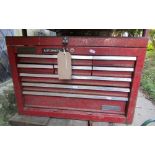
<point>65,57</point>
<point>64,51</point>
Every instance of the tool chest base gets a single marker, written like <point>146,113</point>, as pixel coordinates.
<point>105,77</point>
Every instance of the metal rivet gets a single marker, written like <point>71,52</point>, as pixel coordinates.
<point>72,50</point>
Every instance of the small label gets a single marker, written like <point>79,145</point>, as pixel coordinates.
<point>26,50</point>
<point>50,50</point>
<point>111,108</point>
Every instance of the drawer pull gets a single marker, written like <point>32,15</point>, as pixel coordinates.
<point>75,95</point>
<point>116,89</point>
<point>34,66</point>
<point>78,77</point>
<point>80,57</point>
<point>120,69</point>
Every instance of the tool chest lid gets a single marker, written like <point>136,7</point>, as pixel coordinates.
<point>79,41</point>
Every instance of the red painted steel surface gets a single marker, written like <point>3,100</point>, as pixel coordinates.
<point>100,89</point>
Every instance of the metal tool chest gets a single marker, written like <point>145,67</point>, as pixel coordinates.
<point>106,75</point>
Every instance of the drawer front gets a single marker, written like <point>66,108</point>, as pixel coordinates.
<point>69,103</point>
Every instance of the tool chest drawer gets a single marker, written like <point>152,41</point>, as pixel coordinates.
<point>104,83</point>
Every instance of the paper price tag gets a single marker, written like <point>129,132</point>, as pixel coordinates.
<point>64,65</point>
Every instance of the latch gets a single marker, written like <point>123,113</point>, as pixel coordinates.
<point>65,40</point>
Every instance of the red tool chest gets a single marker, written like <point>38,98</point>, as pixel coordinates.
<point>105,77</point>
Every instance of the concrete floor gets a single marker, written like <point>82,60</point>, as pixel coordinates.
<point>5,85</point>
<point>145,109</point>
